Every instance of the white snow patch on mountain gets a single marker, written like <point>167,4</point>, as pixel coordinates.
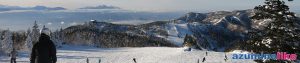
<point>177,32</point>
<point>175,40</point>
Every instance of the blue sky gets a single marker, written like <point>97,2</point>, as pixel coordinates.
<point>149,5</point>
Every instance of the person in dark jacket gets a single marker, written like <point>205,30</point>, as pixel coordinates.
<point>203,60</point>
<point>134,60</point>
<point>225,59</point>
<point>13,56</point>
<point>44,51</point>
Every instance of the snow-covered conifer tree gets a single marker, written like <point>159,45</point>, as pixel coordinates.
<point>57,38</point>
<point>7,42</point>
<point>32,36</point>
<point>35,33</point>
<point>1,38</point>
<point>281,34</point>
<point>28,44</point>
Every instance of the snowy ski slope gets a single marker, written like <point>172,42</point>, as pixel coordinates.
<point>78,54</point>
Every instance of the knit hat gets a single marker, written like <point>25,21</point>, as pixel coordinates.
<point>45,31</point>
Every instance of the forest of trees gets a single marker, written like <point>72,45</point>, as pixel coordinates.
<point>110,35</point>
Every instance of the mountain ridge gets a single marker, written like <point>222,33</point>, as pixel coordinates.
<point>214,30</point>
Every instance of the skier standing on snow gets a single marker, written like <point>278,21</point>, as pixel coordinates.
<point>134,60</point>
<point>13,56</point>
<point>206,53</point>
<point>87,60</point>
<point>44,50</point>
<point>203,60</point>
<point>225,57</point>
<point>99,61</point>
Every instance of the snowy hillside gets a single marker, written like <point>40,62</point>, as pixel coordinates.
<point>215,31</point>
<point>78,54</point>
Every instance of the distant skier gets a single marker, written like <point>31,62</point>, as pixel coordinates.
<point>13,56</point>
<point>44,50</point>
<point>134,60</point>
<point>203,60</point>
<point>206,53</point>
<point>99,61</point>
<point>225,59</point>
<point>87,60</point>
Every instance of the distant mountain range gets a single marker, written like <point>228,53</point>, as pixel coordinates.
<point>101,7</point>
<point>214,31</point>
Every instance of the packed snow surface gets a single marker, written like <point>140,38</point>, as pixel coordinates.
<point>79,54</point>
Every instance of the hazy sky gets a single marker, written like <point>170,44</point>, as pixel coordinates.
<point>149,5</point>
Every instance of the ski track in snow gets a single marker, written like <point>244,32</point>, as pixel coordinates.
<point>78,54</point>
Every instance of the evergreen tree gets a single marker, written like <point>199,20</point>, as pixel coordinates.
<point>32,36</point>
<point>190,41</point>
<point>280,35</point>
<point>1,38</point>
<point>35,33</point>
<point>57,38</point>
<point>7,42</point>
<point>28,42</point>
